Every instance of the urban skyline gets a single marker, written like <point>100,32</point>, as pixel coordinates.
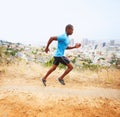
<point>34,21</point>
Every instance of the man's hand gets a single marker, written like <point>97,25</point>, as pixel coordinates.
<point>49,42</point>
<point>77,45</point>
<point>46,50</point>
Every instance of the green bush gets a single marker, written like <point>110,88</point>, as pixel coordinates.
<point>6,54</point>
<point>88,61</point>
<point>73,60</point>
<point>49,63</point>
<point>92,67</point>
<point>11,52</point>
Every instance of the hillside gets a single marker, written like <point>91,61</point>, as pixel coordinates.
<point>86,93</point>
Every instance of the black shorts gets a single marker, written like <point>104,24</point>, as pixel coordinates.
<point>64,60</point>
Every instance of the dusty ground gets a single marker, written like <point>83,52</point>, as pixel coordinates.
<point>86,94</point>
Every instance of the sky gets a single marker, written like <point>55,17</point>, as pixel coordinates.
<point>35,21</point>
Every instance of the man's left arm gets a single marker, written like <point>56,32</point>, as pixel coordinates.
<point>77,45</point>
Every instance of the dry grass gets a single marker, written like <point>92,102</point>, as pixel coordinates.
<point>22,95</point>
<point>30,71</point>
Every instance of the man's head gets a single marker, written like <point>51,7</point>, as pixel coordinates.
<point>69,29</point>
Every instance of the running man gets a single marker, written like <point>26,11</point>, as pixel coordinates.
<point>63,44</point>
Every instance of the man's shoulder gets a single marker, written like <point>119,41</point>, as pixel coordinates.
<point>62,36</point>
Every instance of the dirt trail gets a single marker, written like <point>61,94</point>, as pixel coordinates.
<point>91,92</point>
<point>23,95</point>
<point>39,101</point>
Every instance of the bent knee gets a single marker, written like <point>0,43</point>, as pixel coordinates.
<point>54,68</point>
<point>70,67</point>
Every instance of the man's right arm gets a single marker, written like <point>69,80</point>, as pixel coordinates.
<point>49,42</point>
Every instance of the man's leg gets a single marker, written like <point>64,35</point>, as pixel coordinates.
<point>70,67</point>
<point>50,71</point>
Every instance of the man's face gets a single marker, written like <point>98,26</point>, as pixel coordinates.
<point>70,31</point>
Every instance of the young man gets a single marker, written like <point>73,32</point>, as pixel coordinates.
<point>63,44</point>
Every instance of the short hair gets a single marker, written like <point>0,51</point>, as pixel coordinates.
<point>68,26</point>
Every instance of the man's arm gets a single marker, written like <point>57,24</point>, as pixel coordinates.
<point>49,42</point>
<point>77,45</point>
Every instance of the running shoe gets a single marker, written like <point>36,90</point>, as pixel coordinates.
<point>43,81</point>
<point>61,81</point>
